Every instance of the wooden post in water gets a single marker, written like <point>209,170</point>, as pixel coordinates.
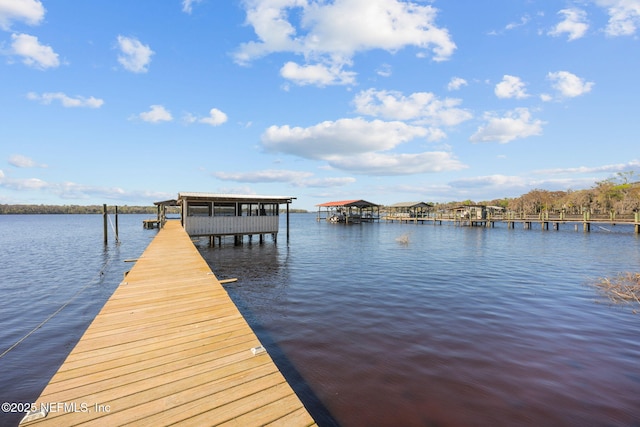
<point>287,222</point>
<point>104,222</point>
<point>117,239</point>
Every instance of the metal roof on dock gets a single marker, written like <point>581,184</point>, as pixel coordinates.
<point>348,203</point>
<point>235,197</point>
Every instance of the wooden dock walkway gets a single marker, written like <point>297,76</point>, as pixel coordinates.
<point>169,347</point>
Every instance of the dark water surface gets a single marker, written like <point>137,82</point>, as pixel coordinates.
<point>374,324</point>
<point>50,263</point>
<point>458,326</point>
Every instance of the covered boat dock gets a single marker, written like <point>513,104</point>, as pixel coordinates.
<point>349,211</point>
<point>216,215</point>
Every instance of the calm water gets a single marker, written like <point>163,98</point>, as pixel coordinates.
<point>457,326</point>
<point>47,262</point>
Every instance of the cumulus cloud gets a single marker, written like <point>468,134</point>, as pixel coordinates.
<point>419,107</point>
<point>331,33</point>
<point>215,118</point>
<point>569,85</point>
<point>33,53</point>
<point>342,137</point>
<point>515,124</point>
<point>624,16</point>
<point>157,114</point>
<point>359,146</point>
<point>134,56</point>
<point>511,87</point>
<point>456,83</point>
<point>574,24</point>
<point>66,101</point>
<point>30,12</point>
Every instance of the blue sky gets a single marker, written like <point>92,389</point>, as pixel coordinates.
<point>130,102</point>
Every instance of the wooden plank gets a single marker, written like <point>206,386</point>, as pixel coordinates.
<point>169,347</point>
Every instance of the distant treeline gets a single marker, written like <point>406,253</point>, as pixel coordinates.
<point>74,209</point>
<point>619,194</point>
<point>91,209</point>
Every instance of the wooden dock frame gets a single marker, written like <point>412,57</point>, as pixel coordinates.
<point>527,224</point>
<point>169,347</point>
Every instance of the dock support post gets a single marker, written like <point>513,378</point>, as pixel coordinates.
<point>287,222</point>
<point>104,222</point>
<point>117,239</point>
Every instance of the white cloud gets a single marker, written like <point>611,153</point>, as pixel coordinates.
<point>511,87</point>
<point>215,118</point>
<point>72,190</point>
<point>619,167</point>
<point>317,74</point>
<point>624,16</point>
<point>270,175</point>
<point>359,146</point>
<point>456,83</point>
<point>135,56</point>
<point>295,178</point>
<point>22,183</point>
<point>574,24</point>
<point>157,114</point>
<point>569,85</point>
<point>344,137</point>
<point>513,25</point>
<point>33,53</point>
<point>66,101</point>
<point>515,124</point>
<point>385,70</point>
<point>325,182</point>
<point>419,107</point>
<point>20,161</point>
<point>497,180</point>
<point>30,12</point>
<point>386,164</point>
<point>187,5</point>
<point>331,33</point>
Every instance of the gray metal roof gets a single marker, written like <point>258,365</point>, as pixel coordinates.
<point>221,197</point>
<point>411,205</point>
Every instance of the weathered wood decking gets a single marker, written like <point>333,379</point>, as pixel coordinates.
<point>170,347</point>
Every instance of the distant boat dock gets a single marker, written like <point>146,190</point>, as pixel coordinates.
<point>169,347</point>
<point>357,211</point>
<point>544,222</point>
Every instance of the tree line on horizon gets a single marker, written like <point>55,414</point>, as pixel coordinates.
<point>73,209</point>
<point>618,194</point>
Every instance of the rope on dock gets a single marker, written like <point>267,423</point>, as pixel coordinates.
<point>100,277</point>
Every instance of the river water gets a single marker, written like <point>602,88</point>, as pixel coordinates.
<point>373,324</point>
